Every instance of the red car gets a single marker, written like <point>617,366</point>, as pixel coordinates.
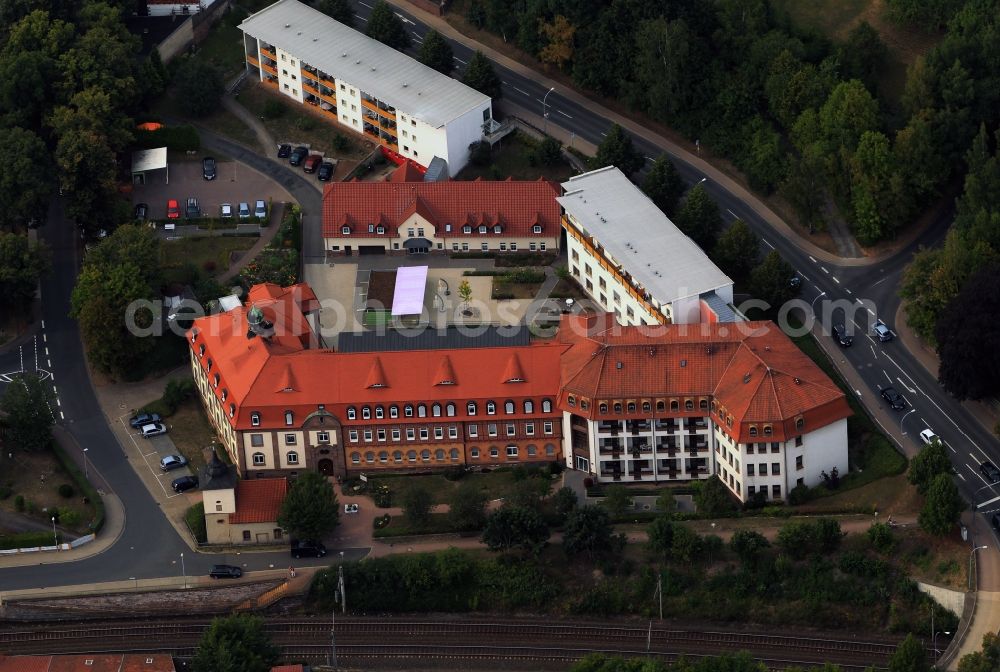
<point>173,210</point>
<point>312,163</point>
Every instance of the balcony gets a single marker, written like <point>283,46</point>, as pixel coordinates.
<point>306,86</point>
<point>269,51</point>
<point>271,81</point>
<point>253,61</point>
<point>371,105</point>
<point>267,67</point>
<point>389,126</point>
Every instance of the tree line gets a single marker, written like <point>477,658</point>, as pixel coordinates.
<point>795,112</point>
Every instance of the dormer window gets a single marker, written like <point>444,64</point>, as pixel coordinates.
<point>536,229</point>
<point>508,407</point>
<point>753,431</point>
<point>232,410</point>
<point>201,350</point>
<point>768,430</point>
<point>346,230</point>
<point>618,407</point>
<point>447,228</point>
<point>646,407</point>
<point>491,408</point>
<point>584,404</point>
<point>255,419</point>
<point>371,228</point>
<point>603,407</point>
<point>515,380</point>
<point>571,400</point>
<point>352,413</point>
<point>631,407</point>
<point>799,423</point>
<point>466,229</point>
<point>471,408</point>
<point>482,229</point>
<point>379,230</point>
<point>289,418</point>
<point>366,413</point>
<point>215,380</point>
<point>225,394</point>
<point>209,364</point>
<point>546,405</point>
<point>497,229</point>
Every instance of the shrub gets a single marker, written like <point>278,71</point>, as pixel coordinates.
<point>209,266</point>
<point>66,490</point>
<point>274,109</point>
<point>69,517</point>
<point>456,472</point>
<point>588,482</point>
<point>880,537</point>
<point>195,519</point>
<point>340,143</point>
<point>381,521</point>
<point>382,496</point>
<point>480,153</point>
<point>19,503</point>
<point>798,495</point>
<point>176,138</point>
<point>5,491</point>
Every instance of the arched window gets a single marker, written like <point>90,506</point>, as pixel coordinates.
<point>753,431</point>
<point>258,459</point>
<point>292,457</point>
<point>799,423</point>
<point>255,419</point>
<point>225,394</point>
<point>383,456</point>
<point>289,418</point>
<point>393,411</point>
<point>571,400</point>
<point>356,458</point>
<point>660,406</point>
<point>703,404</point>
<point>631,407</point>
<point>425,455</point>
<point>352,413</point>
<point>216,380</point>
<point>675,405</point>
<point>603,407</point>
<point>366,413</point>
<point>232,410</point>
<point>436,410</point>
<point>550,449</point>
<point>491,408</point>
<point>411,455</point>
<point>379,412</point>
<point>688,405</point>
<point>529,406</point>
<point>421,411</point>
<point>408,411</point>
<point>454,453</point>
<point>618,407</point>
<point>471,408</point>
<point>646,407</point>
<point>532,451</point>
<point>369,457</point>
<point>508,407</point>
<point>546,405</point>
<point>450,410</point>
<point>439,454</point>
<point>397,456</point>
<point>584,404</point>
<point>768,430</point>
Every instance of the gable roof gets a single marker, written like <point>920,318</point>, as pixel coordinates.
<point>406,172</point>
<point>259,500</point>
<point>516,206</point>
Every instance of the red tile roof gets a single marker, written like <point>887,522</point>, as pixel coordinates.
<point>153,662</point>
<point>752,370</point>
<point>24,663</point>
<point>143,662</point>
<point>259,500</point>
<point>515,206</point>
<point>406,172</point>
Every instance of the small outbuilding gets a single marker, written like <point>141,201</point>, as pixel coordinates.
<point>147,160</point>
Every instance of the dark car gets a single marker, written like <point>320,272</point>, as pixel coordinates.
<point>208,168</point>
<point>894,398</point>
<point>192,210</point>
<point>284,151</point>
<point>141,211</point>
<point>138,421</point>
<point>990,471</point>
<point>298,155</point>
<point>184,483</point>
<point>308,549</point>
<point>842,337</point>
<point>225,572</point>
<point>996,521</point>
<point>325,172</point>
<point>312,163</point>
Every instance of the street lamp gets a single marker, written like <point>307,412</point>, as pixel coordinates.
<point>971,554</point>
<point>934,640</point>
<point>545,115</point>
<point>55,539</point>
<point>86,471</point>
<point>813,304</point>
<point>912,410</point>
<point>184,571</point>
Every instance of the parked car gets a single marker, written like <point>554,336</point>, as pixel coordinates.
<point>894,398</point>
<point>244,211</point>
<point>226,211</point>
<point>137,421</point>
<point>308,549</point>
<point>141,211</point>
<point>795,281</point>
<point>208,168</point>
<point>351,508</point>
<point>225,572</point>
<point>928,436</point>
<point>325,172</point>
<point>152,429</point>
<point>260,210</point>
<point>171,462</point>
<point>173,209</point>
<point>882,332</point>
<point>996,521</point>
<point>990,471</point>
<point>193,210</point>
<point>311,164</point>
<point>284,151</point>
<point>184,483</point>
<point>298,155</point>
<point>841,336</point>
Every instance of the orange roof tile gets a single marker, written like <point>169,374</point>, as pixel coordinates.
<point>100,662</point>
<point>406,173</point>
<point>24,663</point>
<point>259,500</point>
<point>287,668</point>
<point>445,374</point>
<point>516,206</point>
<point>151,662</point>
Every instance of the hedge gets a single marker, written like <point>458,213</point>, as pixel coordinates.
<point>83,485</point>
<point>25,540</point>
<point>195,519</point>
<point>176,138</point>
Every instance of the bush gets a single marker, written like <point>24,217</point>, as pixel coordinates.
<point>5,491</point>
<point>381,521</point>
<point>456,473</point>
<point>798,495</point>
<point>19,503</point>
<point>209,266</point>
<point>195,519</point>
<point>66,490</point>
<point>25,540</point>
<point>382,496</point>
<point>274,109</point>
<point>175,138</point>
<point>68,517</point>
<point>480,153</point>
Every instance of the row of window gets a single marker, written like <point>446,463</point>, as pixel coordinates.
<point>632,407</point>
<point>775,491</point>
<point>441,455</point>
<point>424,433</point>
<point>762,469</point>
<point>259,460</point>
<point>437,410</point>
<point>257,440</point>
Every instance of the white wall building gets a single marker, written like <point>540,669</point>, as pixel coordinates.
<point>364,85</point>
<point>633,260</point>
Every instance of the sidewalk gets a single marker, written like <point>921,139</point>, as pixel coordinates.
<point>264,136</point>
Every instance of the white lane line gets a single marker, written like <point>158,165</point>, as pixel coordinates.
<point>848,291</point>
<point>463,62</point>
<point>835,279</point>
<point>46,352</point>
<point>961,476</point>
<point>62,416</point>
<point>858,392</point>
<point>732,213</point>
<point>564,114</point>
<point>606,135</point>
<point>889,357</point>
<point>363,18</point>
<point>887,376</point>
<point>49,363</point>
<point>823,268</point>
<point>45,338</point>
<point>874,354</point>
<point>418,36</point>
<point>868,336</point>
<point>58,402</point>
<point>649,158</point>
<point>880,281</point>
<point>365,4</point>
<point>811,259</point>
<point>767,242</point>
<point>520,91</point>
<point>908,388</point>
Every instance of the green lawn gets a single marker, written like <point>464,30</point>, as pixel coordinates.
<point>512,158</point>
<point>191,432</point>
<point>223,47</point>
<point>494,483</point>
<point>208,253</point>
<point>399,527</point>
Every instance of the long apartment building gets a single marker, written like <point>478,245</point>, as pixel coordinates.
<point>364,85</point>
<point>415,217</point>
<point>631,404</point>
<point>633,261</point>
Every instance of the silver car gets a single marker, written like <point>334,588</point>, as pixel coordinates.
<point>152,429</point>
<point>260,210</point>
<point>226,211</point>
<point>171,462</point>
<point>244,211</point>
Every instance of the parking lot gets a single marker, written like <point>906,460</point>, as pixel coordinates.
<point>152,450</point>
<point>234,183</point>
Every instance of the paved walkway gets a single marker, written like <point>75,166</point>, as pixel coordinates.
<point>266,236</point>
<point>264,136</point>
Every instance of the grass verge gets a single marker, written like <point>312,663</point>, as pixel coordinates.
<point>514,157</point>
<point>398,526</point>
<point>211,254</point>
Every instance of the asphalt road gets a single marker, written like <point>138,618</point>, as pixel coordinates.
<point>827,287</point>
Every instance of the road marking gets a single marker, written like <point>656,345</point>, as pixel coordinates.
<point>49,363</point>
<point>62,416</point>
<point>43,324</point>
<point>824,270</point>
<point>961,476</point>
<point>835,279</point>
<point>804,277</point>
<point>988,501</point>
<point>58,402</point>
<point>566,115</point>
<point>908,388</point>
<point>365,4</point>
<point>520,91</point>
<point>858,392</point>
<point>45,338</point>
<point>880,281</point>
<point>812,260</point>
<point>418,36</point>
<point>887,376</point>
<point>604,134</point>
<point>463,62</point>
<point>47,353</point>
<point>848,291</point>
<point>766,242</point>
<point>363,18</point>
<point>403,18</point>
<point>874,354</point>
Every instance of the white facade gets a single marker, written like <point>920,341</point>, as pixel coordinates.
<point>365,85</point>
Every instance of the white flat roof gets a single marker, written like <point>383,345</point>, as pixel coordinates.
<point>639,236</point>
<point>229,302</point>
<point>379,70</point>
<point>408,296</point>
<point>149,159</point>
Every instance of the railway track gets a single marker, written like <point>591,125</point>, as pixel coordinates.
<point>440,639</point>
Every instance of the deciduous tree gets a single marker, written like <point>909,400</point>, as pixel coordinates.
<point>435,52</point>
<point>29,419</point>
<point>21,265</point>
<point>417,504</point>
<point>663,185</point>
<point>587,531</point>
<point>513,527</point>
<point>468,507</point>
<point>235,644</point>
<point>748,546</point>
<point>942,507</point>
<point>25,182</point>
<point>616,150</point>
<point>616,500</point>
<point>564,501</point>
<point>699,217</point>
<point>712,498</point>
<point>737,251</point>
<point>968,340</point>
<point>909,656</point>
<point>199,86</point>
<point>385,26</point>
<point>927,464</point>
<point>310,509</point>
<point>338,10</point>
<point>559,37</point>
<point>771,281</point>
<point>480,75</point>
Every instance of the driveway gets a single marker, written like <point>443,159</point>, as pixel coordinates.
<point>146,454</point>
<point>235,183</point>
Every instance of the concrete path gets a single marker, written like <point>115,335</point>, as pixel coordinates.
<point>264,137</point>
<point>266,236</point>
